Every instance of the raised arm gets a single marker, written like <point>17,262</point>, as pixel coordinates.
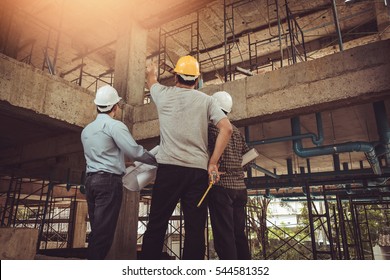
<point>151,74</point>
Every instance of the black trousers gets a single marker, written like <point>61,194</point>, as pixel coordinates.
<point>227,214</point>
<point>174,183</point>
<point>104,197</point>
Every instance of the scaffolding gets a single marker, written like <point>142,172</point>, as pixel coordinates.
<point>191,30</point>
<point>291,43</point>
<point>337,224</point>
<point>41,208</point>
<point>43,52</point>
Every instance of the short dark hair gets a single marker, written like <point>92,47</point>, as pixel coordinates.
<point>107,112</point>
<point>184,82</point>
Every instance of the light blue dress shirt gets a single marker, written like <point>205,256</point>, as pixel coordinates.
<point>106,141</point>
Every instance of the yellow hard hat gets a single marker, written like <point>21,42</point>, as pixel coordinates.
<point>187,65</point>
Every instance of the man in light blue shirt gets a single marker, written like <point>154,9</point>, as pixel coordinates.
<point>106,142</point>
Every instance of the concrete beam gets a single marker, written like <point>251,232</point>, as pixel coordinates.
<point>358,75</point>
<point>24,86</point>
<point>353,76</point>
<point>45,149</point>
<point>58,158</point>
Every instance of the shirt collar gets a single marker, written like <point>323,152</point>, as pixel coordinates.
<point>103,116</point>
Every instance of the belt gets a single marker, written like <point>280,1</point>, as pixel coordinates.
<point>103,173</point>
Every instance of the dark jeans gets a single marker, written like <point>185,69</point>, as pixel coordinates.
<point>227,214</point>
<point>174,183</point>
<point>104,197</point>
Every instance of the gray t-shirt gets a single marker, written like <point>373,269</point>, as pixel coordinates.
<point>184,115</point>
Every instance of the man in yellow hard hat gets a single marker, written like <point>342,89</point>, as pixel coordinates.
<point>184,165</point>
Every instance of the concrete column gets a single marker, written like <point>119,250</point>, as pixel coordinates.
<point>130,83</point>
<point>80,224</point>
<point>130,62</point>
<point>124,246</point>
<point>383,19</point>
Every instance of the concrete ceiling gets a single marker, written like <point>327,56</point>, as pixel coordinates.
<point>84,32</point>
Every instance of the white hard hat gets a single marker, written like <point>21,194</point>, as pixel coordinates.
<point>106,98</point>
<point>224,100</point>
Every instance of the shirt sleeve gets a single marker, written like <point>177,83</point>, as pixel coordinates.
<point>127,144</point>
<point>245,147</point>
<point>156,91</point>
<point>212,137</point>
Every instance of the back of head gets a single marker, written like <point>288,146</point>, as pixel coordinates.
<point>106,98</point>
<point>187,67</point>
<point>224,100</point>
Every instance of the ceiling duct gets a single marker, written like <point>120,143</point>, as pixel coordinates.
<point>357,146</point>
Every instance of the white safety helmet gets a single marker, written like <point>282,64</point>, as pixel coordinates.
<point>224,100</point>
<point>106,98</point>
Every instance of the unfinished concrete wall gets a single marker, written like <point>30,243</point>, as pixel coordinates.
<point>24,86</point>
<point>18,243</point>
<point>350,77</point>
<point>354,76</point>
<point>51,102</point>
